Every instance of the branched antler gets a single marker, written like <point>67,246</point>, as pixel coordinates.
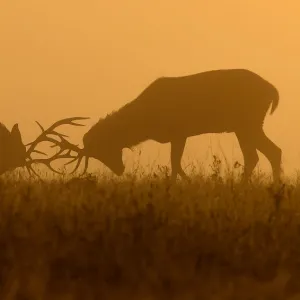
<point>51,130</point>
<point>47,162</point>
<point>79,158</point>
<point>62,143</point>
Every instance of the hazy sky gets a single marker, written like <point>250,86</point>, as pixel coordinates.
<point>63,58</point>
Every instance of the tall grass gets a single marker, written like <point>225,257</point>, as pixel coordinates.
<point>141,237</point>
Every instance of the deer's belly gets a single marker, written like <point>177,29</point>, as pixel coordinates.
<point>172,124</point>
<point>167,134</point>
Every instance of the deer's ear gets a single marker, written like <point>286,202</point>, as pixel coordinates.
<point>15,132</point>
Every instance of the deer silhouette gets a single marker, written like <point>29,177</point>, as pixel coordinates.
<point>13,153</point>
<point>171,109</point>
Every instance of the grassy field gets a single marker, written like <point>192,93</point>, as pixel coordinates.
<point>144,238</point>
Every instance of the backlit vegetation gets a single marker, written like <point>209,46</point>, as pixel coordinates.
<point>140,237</point>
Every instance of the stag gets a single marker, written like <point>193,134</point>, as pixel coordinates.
<point>13,153</point>
<point>171,109</point>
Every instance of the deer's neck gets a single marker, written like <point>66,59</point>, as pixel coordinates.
<point>130,134</point>
<point>127,130</point>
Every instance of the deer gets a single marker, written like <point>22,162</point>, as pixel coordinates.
<point>171,109</point>
<point>13,153</point>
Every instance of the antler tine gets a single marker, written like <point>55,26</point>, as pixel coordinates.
<point>30,169</point>
<point>79,159</point>
<point>42,128</point>
<point>68,121</point>
<point>39,152</point>
<point>86,165</point>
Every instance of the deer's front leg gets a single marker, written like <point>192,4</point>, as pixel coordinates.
<point>177,148</point>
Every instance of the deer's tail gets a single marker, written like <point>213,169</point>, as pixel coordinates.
<point>275,100</point>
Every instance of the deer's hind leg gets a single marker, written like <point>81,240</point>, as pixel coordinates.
<point>248,146</point>
<point>272,152</point>
<point>177,148</point>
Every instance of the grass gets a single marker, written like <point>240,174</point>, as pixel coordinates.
<point>141,237</point>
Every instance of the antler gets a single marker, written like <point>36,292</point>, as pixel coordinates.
<point>79,158</point>
<point>63,144</point>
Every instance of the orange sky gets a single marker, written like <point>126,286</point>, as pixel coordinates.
<point>64,58</point>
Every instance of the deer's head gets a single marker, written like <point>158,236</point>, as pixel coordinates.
<point>12,150</point>
<point>99,144</point>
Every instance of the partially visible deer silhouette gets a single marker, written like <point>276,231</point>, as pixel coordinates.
<point>12,150</point>
<point>171,109</point>
<point>13,153</point>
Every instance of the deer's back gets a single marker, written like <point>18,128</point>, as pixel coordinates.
<point>213,101</point>
<point>208,88</point>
